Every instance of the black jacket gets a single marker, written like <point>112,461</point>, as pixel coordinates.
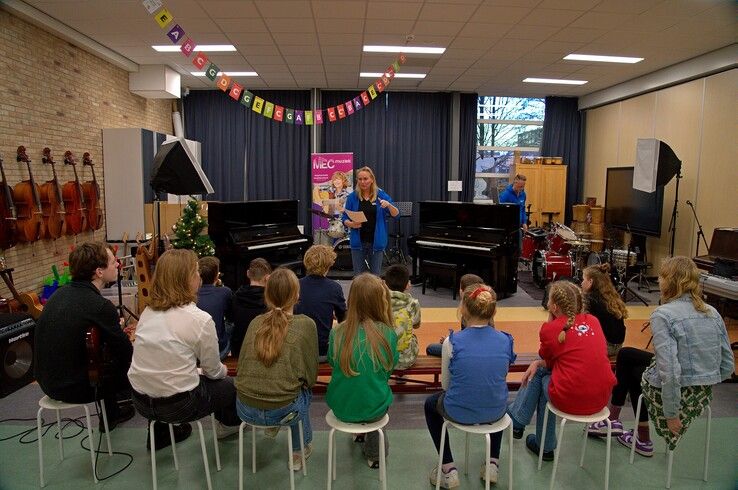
<point>612,326</point>
<point>248,303</point>
<point>60,352</point>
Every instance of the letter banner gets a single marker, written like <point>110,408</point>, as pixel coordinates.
<point>318,116</point>
<point>349,107</point>
<point>332,182</point>
<point>372,92</point>
<point>341,111</point>
<point>258,105</point>
<point>379,85</point>
<point>299,117</point>
<point>247,99</point>
<point>176,33</point>
<point>268,110</point>
<point>278,113</point>
<point>212,72</point>
<point>289,116</point>
<point>187,47</point>
<point>357,103</point>
<point>163,18</point>
<point>224,82</point>
<point>199,60</point>
<point>152,5</point>
<point>331,114</point>
<point>402,58</point>
<point>308,118</point>
<point>396,66</point>
<point>236,91</point>
<point>365,98</point>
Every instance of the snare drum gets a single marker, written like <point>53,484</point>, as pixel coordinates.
<point>622,257</point>
<point>343,255</point>
<point>534,239</point>
<point>550,266</point>
<point>336,229</point>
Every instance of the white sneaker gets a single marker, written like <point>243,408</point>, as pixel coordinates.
<point>491,475</point>
<point>297,457</point>
<point>223,431</point>
<point>448,480</point>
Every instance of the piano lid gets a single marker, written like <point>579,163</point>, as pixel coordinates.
<point>466,215</point>
<point>225,217</point>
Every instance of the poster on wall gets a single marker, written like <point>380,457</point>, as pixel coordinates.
<point>332,179</point>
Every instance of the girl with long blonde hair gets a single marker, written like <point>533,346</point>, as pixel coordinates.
<point>603,301</point>
<point>278,365</point>
<point>362,351</point>
<point>692,352</point>
<point>573,373</point>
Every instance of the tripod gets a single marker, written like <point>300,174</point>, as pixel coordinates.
<point>123,309</point>
<point>622,287</point>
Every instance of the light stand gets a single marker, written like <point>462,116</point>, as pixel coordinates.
<point>672,223</point>
<point>623,288</point>
<point>700,233</point>
<point>123,309</point>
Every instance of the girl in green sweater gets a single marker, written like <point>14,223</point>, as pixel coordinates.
<point>363,353</point>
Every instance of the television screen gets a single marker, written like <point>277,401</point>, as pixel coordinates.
<point>629,209</point>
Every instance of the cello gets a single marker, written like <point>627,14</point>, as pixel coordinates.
<point>7,212</point>
<point>74,200</point>
<point>52,202</point>
<point>30,223</point>
<point>92,196</point>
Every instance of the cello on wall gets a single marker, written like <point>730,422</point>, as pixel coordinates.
<point>30,224</point>
<point>52,202</point>
<point>74,200</point>
<point>8,216</point>
<point>92,196</point>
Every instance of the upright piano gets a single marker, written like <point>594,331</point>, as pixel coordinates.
<point>243,231</point>
<point>479,238</point>
<point>723,245</point>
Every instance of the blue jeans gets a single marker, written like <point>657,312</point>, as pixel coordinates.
<point>367,255</point>
<point>434,350</point>
<point>531,399</point>
<point>283,416</point>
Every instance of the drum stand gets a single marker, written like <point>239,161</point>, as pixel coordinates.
<point>622,286</point>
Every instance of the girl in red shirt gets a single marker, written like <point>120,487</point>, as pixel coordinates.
<point>573,373</point>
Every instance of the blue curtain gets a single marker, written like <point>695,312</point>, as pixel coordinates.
<point>247,156</point>
<point>468,144</point>
<point>562,136</point>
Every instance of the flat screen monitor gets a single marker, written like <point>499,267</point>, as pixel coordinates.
<point>630,209</point>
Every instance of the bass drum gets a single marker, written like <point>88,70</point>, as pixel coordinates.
<point>343,255</point>
<point>550,266</point>
<point>533,239</point>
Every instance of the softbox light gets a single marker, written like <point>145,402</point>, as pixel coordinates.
<point>656,164</point>
<point>175,171</point>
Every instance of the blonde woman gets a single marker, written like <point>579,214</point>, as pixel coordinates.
<point>171,337</point>
<point>278,364</point>
<point>692,353</point>
<point>603,301</point>
<point>573,373</point>
<point>368,239</point>
<point>363,352</point>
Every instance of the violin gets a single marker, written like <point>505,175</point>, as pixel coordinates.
<point>30,223</point>
<point>92,196</point>
<point>8,215</point>
<point>74,200</point>
<point>52,202</point>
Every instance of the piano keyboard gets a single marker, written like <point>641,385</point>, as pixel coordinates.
<point>276,244</point>
<point>719,286</point>
<point>453,245</point>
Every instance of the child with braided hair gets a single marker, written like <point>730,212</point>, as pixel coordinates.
<point>573,373</point>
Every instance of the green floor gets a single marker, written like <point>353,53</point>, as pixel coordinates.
<point>411,457</point>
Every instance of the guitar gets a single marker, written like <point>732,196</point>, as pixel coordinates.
<point>8,215</point>
<point>30,224</point>
<point>52,202</point>
<point>74,200</point>
<point>98,357</point>
<point>29,301</point>
<point>92,196</point>
<point>146,257</point>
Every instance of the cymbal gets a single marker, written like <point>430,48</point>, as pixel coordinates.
<point>578,243</point>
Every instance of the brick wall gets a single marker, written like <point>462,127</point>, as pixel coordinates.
<point>57,95</point>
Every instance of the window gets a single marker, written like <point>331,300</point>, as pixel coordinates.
<point>506,126</point>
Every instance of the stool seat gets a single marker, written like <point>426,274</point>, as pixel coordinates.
<point>497,426</point>
<point>355,428</point>
<point>51,404</point>
<point>585,419</point>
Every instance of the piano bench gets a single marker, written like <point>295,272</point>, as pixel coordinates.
<point>439,270</point>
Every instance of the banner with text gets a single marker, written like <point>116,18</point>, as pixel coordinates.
<point>332,180</point>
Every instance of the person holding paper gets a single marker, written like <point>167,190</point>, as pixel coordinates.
<point>364,214</point>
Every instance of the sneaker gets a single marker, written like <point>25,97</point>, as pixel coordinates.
<point>161,435</point>
<point>599,429</point>
<point>642,448</point>
<point>271,431</point>
<point>518,433</point>
<point>297,457</point>
<point>448,480</point>
<point>222,431</point>
<point>125,412</point>
<point>490,475</point>
<point>532,445</point>
<point>359,437</point>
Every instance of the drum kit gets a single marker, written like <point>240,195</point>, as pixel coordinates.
<point>336,236</point>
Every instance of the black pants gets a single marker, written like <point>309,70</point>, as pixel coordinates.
<point>629,369</point>
<point>210,396</point>
<point>114,386</point>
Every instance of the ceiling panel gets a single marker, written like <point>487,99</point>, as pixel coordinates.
<point>229,9</point>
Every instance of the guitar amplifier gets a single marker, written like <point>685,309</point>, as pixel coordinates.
<point>16,351</point>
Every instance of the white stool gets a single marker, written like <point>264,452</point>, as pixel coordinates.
<point>485,429</point>
<point>669,452</point>
<point>358,428</point>
<point>174,449</point>
<point>253,450</point>
<point>50,404</point>
<point>585,419</point>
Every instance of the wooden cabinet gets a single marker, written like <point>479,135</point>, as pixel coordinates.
<point>545,189</point>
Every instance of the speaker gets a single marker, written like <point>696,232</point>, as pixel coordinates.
<point>656,164</point>
<point>17,332</point>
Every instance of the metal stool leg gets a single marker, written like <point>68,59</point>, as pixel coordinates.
<point>174,446</point>
<point>670,460</point>
<point>291,461</point>
<point>510,460</point>
<point>59,433</point>
<point>92,448</point>
<point>543,437</point>
<point>557,453</point>
<point>607,454</point>
<point>466,456</point>
<point>107,427</point>
<point>215,442</point>
<point>444,430</point>
<point>487,464</point>
<point>302,448</point>
<point>584,446</point>
<point>635,430</point>
<point>40,447</point>
<point>204,455</point>
<point>152,443</point>
<point>382,460</point>
<point>707,440</point>
<point>331,459</point>
<point>240,455</point>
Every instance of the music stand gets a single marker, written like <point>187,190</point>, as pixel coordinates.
<point>397,253</point>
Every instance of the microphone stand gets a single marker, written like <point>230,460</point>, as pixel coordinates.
<point>700,233</point>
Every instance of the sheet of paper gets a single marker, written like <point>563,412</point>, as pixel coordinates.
<point>356,216</point>
<point>454,186</point>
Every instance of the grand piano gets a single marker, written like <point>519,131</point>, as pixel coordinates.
<point>723,246</point>
<point>243,231</point>
<point>478,238</point>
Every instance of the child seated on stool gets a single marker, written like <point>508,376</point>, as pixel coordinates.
<point>465,281</point>
<point>474,369</point>
<point>603,302</point>
<point>406,313</point>
<point>216,299</point>
<point>363,352</point>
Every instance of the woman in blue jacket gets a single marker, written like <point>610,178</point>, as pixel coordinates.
<point>368,239</point>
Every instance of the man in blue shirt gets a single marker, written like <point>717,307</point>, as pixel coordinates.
<point>515,194</point>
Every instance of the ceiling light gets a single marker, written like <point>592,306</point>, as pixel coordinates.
<point>229,73</point>
<point>397,75</point>
<point>403,49</point>
<point>555,80</point>
<point>169,48</point>
<point>604,59</point>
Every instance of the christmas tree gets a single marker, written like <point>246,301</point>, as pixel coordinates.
<point>188,231</point>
